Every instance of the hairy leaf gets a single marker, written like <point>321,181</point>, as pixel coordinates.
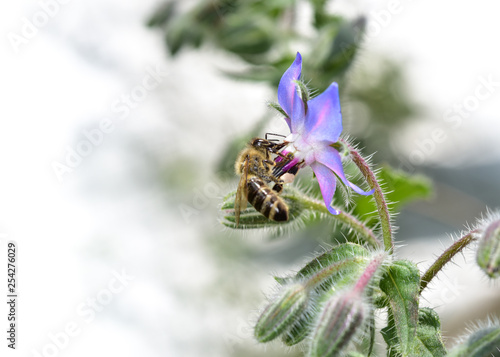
<point>401,285</point>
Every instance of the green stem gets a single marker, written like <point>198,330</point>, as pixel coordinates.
<point>365,233</point>
<point>382,208</point>
<point>448,254</point>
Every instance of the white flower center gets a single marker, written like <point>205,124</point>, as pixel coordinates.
<point>300,148</point>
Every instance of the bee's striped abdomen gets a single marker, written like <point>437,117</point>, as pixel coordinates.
<point>266,201</point>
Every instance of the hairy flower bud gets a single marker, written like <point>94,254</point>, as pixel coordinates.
<point>281,313</point>
<point>488,252</point>
<point>342,317</point>
<point>345,314</point>
<point>484,342</point>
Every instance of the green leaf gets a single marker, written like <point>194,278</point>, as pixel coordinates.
<point>163,14</point>
<point>482,343</point>
<point>401,285</point>
<point>344,48</point>
<point>400,187</point>
<point>183,32</point>
<point>429,342</point>
<point>246,34</point>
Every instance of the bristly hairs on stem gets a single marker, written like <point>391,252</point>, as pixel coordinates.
<point>467,237</point>
<point>385,217</point>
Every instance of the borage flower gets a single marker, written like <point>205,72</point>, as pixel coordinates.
<point>315,125</point>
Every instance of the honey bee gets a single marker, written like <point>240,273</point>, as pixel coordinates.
<point>257,169</point>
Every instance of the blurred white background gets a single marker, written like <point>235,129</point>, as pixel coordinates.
<point>108,216</point>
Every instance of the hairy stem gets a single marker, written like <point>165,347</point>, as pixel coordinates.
<point>382,208</point>
<point>364,233</point>
<point>448,254</point>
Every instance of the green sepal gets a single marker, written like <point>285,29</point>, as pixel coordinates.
<point>281,313</point>
<point>282,281</point>
<point>342,318</point>
<point>482,343</point>
<point>401,283</point>
<point>304,323</point>
<point>278,108</point>
<point>300,329</point>
<point>303,92</point>
<point>338,254</point>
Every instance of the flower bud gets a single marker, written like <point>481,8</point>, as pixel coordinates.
<point>281,313</point>
<point>484,342</point>
<point>488,252</point>
<point>342,317</point>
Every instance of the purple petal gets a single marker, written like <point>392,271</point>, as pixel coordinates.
<point>324,119</point>
<point>330,157</point>
<point>327,184</point>
<point>288,97</point>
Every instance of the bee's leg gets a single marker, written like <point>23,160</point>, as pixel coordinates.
<point>278,184</point>
<point>268,164</point>
<point>278,187</point>
<point>283,156</point>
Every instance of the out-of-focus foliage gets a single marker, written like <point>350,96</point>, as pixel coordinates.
<point>380,105</point>
<point>265,34</point>
<point>400,188</point>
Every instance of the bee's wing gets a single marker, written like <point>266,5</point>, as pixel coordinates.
<point>240,201</point>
